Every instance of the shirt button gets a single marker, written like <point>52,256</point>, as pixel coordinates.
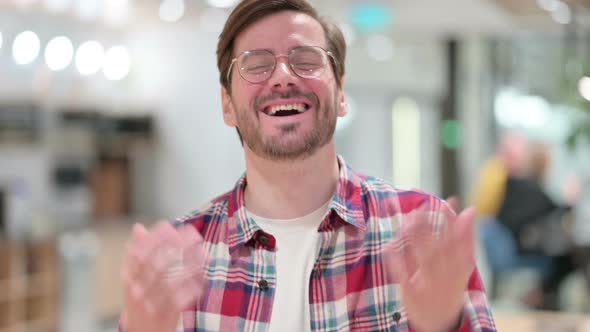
<point>397,316</point>
<point>263,284</point>
<point>263,239</point>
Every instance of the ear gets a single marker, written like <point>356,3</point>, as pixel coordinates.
<point>229,114</point>
<point>342,107</point>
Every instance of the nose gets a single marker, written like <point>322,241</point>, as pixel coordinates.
<point>283,77</point>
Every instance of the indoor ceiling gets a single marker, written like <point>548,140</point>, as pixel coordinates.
<point>430,17</point>
<point>531,7</point>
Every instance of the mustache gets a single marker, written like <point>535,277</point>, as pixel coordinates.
<point>293,93</point>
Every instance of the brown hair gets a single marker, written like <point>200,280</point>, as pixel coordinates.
<point>248,12</point>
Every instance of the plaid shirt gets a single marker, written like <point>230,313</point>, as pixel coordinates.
<point>348,288</point>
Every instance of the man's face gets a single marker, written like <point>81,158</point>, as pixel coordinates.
<point>318,100</point>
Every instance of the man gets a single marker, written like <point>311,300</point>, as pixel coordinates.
<point>303,242</point>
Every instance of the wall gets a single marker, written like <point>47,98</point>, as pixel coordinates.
<point>174,76</point>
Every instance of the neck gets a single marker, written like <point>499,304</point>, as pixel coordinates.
<point>290,189</point>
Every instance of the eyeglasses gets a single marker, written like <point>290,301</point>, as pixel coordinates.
<point>257,66</point>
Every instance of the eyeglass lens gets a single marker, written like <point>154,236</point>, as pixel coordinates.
<point>258,65</point>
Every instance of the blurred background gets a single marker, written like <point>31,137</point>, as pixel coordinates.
<point>110,114</point>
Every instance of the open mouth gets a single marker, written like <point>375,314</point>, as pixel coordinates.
<point>286,110</point>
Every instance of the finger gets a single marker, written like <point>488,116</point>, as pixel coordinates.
<point>174,253</point>
<point>139,232</point>
<point>453,252</point>
<point>192,243</point>
<point>141,265</point>
<point>167,234</point>
<point>430,218</point>
<point>164,256</point>
<point>461,253</point>
<point>162,232</point>
<point>190,289</point>
<point>164,271</point>
<point>453,202</point>
<point>464,233</point>
<point>430,238</point>
<point>139,236</point>
<point>179,252</point>
<point>148,262</point>
<point>178,289</point>
<point>420,239</point>
<point>158,238</point>
<point>417,226</point>
<point>444,220</point>
<point>131,263</point>
<point>143,245</point>
<point>399,260</point>
<point>195,259</point>
<point>158,251</point>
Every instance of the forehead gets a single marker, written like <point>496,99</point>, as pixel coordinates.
<point>280,32</point>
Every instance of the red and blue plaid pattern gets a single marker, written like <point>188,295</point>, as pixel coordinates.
<point>349,290</point>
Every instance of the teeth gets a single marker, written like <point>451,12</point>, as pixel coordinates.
<point>287,107</point>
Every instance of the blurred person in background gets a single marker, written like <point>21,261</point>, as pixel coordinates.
<point>303,242</point>
<point>509,159</point>
<point>536,222</point>
<point>521,225</point>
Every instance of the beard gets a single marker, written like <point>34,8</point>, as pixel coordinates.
<point>288,144</point>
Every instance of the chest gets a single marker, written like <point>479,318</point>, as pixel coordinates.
<point>347,286</point>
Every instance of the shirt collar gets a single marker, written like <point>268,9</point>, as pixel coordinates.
<point>347,203</point>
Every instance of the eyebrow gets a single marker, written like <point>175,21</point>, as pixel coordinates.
<point>255,49</point>
<point>263,49</point>
<point>271,50</point>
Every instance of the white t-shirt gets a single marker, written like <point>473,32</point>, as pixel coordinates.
<point>297,246</point>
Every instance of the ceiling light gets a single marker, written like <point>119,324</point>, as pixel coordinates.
<point>584,87</point>
<point>59,53</point>
<point>548,5</point>
<point>562,14</point>
<point>25,48</point>
<point>222,3</point>
<point>116,63</point>
<point>89,57</point>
